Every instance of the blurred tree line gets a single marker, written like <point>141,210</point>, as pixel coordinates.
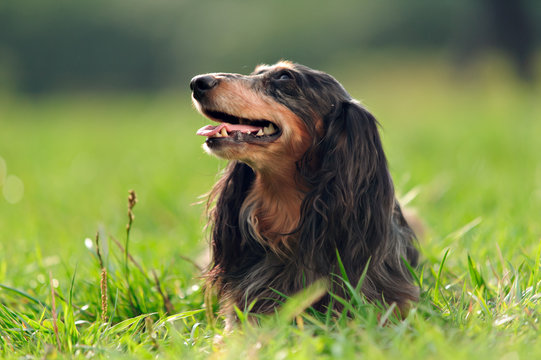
<point>143,44</point>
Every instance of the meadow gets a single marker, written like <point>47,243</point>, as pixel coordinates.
<point>464,150</point>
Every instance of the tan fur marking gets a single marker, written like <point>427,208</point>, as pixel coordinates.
<point>275,193</point>
<point>235,97</point>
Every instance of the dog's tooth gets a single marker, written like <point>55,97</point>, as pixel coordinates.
<point>260,132</point>
<point>269,130</point>
<point>217,135</point>
<point>223,132</point>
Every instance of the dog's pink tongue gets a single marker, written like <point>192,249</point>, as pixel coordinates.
<point>210,130</point>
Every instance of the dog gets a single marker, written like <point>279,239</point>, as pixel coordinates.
<point>306,192</point>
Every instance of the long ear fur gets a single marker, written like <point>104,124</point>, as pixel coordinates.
<point>227,243</point>
<point>352,209</point>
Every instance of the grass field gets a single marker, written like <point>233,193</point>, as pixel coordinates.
<point>464,150</point>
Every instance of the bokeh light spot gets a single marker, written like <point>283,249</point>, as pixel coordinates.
<point>13,189</point>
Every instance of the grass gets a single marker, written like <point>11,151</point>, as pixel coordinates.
<point>464,152</point>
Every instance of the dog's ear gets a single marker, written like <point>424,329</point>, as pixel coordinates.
<point>353,193</point>
<point>352,205</point>
<point>229,194</point>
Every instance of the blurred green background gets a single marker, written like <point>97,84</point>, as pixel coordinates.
<point>94,101</point>
<point>152,45</point>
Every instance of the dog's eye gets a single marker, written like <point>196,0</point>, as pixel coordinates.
<point>283,75</point>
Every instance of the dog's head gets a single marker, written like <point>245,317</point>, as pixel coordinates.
<point>270,116</point>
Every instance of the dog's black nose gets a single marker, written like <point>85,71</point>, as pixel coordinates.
<point>201,84</point>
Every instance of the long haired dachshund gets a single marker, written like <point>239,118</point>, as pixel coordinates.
<point>307,184</point>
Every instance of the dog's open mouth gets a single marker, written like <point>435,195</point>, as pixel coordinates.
<point>239,129</point>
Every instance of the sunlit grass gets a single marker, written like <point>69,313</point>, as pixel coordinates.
<point>463,150</point>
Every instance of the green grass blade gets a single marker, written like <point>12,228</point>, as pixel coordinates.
<point>302,300</point>
<point>438,279</point>
<point>23,294</point>
<point>341,267</point>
